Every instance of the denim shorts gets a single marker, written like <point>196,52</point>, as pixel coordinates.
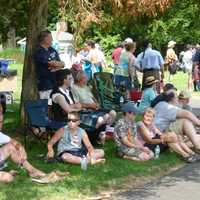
<point>123,80</point>
<point>75,152</point>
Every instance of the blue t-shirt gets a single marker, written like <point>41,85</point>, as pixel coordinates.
<point>45,78</point>
<point>147,96</point>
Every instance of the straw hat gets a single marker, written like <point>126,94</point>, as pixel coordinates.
<point>184,94</point>
<point>150,80</point>
<point>171,43</point>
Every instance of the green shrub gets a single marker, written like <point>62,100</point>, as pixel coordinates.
<point>15,54</point>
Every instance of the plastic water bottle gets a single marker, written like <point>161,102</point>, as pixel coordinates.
<point>84,163</point>
<point>157,152</point>
<point>121,100</point>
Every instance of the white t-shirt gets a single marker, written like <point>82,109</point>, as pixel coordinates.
<point>165,114</point>
<point>4,139</point>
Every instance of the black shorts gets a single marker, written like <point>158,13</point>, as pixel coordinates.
<point>152,147</point>
<point>75,152</point>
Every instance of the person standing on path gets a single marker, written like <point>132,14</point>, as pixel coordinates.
<point>151,63</point>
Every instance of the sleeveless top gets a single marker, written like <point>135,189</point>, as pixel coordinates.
<point>122,68</point>
<point>151,128</point>
<point>69,141</point>
<point>58,113</point>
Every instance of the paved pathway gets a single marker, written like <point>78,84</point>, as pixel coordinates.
<point>183,184</point>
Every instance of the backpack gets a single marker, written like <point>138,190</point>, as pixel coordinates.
<point>173,67</point>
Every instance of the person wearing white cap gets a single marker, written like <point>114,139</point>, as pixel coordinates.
<point>128,40</point>
<point>126,68</point>
<point>171,57</point>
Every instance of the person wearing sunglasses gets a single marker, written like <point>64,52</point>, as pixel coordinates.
<point>125,136</point>
<point>73,144</point>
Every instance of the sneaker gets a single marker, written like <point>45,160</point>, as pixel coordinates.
<point>197,157</point>
<point>191,159</point>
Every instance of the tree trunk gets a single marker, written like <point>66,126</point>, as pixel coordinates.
<point>37,22</point>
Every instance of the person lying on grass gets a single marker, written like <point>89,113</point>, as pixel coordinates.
<point>13,149</point>
<point>73,143</point>
<point>125,131</point>
<point>150,136</point>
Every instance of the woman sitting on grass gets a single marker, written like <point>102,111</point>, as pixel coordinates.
<point>150,136</point>
<point>73,143</point>
<point>125,131</point>
<point>148,94</point>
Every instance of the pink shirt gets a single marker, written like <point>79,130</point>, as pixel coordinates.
<point>152,132</point>
<point>116,55</point>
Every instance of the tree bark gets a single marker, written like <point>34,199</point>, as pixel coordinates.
<point>38,11</point>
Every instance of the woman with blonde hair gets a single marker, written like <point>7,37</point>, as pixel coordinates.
<point>150,136</point>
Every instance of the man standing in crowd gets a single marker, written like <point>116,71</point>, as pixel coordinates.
<point>151,63</point>
<point>47,61</point>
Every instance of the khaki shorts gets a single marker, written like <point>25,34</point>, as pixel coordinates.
<point>176,127</point>
<point>133,152</point>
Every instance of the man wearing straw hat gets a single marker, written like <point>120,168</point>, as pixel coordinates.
<point>150,62</point>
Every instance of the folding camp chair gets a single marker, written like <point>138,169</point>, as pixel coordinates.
<point>108,95</point>
<point>37,117</point>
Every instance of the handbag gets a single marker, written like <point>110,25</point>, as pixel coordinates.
<point>173,67</point>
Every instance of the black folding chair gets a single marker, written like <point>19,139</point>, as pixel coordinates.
<point>37,117</point>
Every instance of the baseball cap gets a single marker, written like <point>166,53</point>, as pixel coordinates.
<point>128,40</point>
<point>129,107</point>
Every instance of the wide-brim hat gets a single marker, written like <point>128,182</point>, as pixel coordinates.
<point>150,80</point>
<point>184,94</point>
<point>171,43</point>
<point>129,108</point>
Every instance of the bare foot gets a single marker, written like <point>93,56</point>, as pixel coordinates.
<point>36,173</point>
<point>131,158</point>
<point>98,161</point>
<point>13,172</point>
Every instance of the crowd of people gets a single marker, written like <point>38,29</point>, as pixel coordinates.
<point>166,121</point>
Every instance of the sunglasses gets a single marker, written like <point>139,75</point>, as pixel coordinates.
<point>73,120</point>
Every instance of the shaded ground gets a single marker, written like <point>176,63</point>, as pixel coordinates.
<point>182,184</point>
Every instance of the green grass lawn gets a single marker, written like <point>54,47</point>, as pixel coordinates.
<point>113,174</point>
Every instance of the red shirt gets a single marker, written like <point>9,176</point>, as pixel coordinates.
<point>116,55</point>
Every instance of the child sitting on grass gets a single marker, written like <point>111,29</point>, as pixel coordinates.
<point>184,100</point>
<point>73,143</point>
<point>125,131</point>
